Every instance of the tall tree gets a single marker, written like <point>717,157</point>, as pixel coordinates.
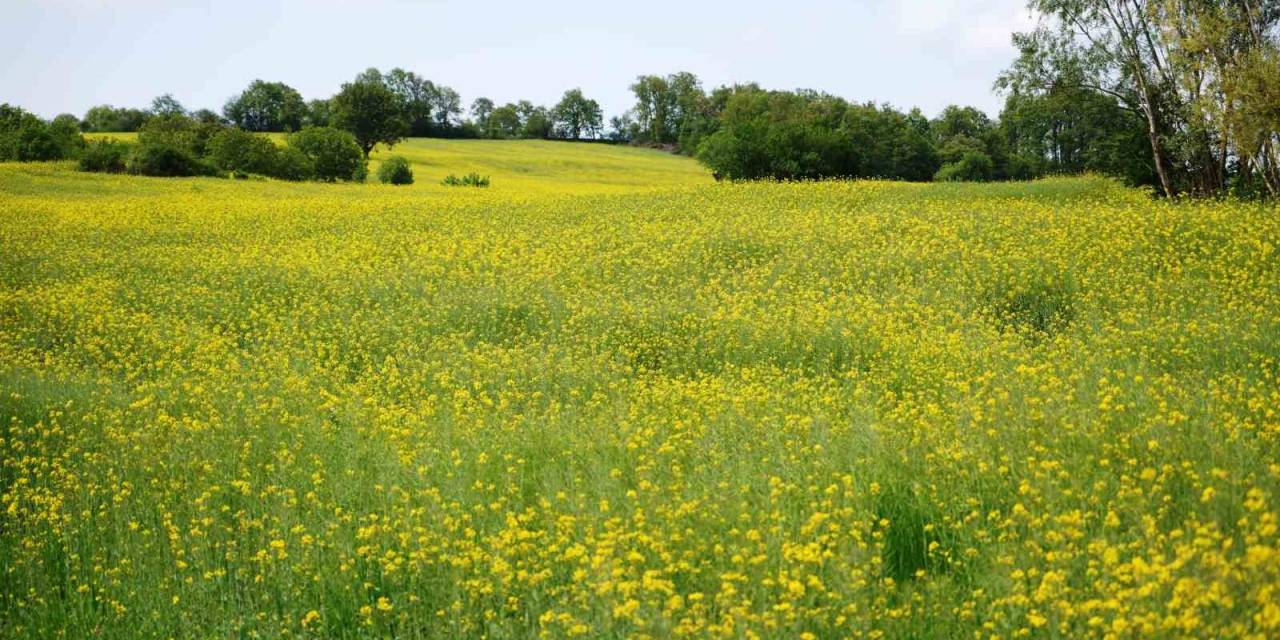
<point>267,106</point>
<point>1173,62</point>
<point>672,110</point>
<point>167,105</point>
<point>576,115</point>
<point>108,118</point>
<point>371,112</point>
<point>505,121</point>
<point>418,97</point>
<point>482,111</point>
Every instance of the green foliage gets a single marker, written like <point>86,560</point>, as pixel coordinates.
<point>237,150</point>
<point>104,156</point>
<point>334,154</point>
<point>371,112</point>
<point>268,106</point>
<point>166,106</point>
<point>971,166</point>
<point>535,122</point>
<point>671,110</point>
<point>395,170</point>
<point>25,137</point>
<point>482,110</point>
<point>504,122</point>
<point>576,115</point>
<point>469,180</point>
<point>1072,130</point>
<point>106,118</point>
<point>181,131</point>
<point>805,136</point>
<point>319,114</point>
<point>292,164</point>
<point>167,160</point>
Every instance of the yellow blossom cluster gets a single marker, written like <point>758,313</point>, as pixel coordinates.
<point>835,410</point>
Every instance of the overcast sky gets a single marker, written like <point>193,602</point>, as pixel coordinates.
<point>67,55</point>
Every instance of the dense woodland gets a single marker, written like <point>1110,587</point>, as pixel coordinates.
<point>1181,96</point>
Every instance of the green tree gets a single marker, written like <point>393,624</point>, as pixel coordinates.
<point>672,110</point>
<point>482,111</point>
<point>65,130</point>
<point>237,150</point>
<point>267,106</point>
<point>371,112</point>
<point>166,105</point>
<point>576,115</point>
<point>417,97</point>
<point>179,131</point>
<point>25,137</point>
<point>319,114</point>
<point>505,121</point>
<point>535,121</point>
<point>1178,65</point>
<point>1070,130</point>
<point>105,117</point>
<point>334,153</point>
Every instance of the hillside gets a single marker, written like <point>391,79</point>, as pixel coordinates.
<point>524,166</point>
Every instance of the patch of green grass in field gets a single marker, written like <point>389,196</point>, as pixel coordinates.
<point>527,166</point>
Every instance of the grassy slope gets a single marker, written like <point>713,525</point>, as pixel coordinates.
<point>538,165</point>
<point>231,409</point>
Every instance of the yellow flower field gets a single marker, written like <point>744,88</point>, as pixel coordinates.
<point>241,409</point>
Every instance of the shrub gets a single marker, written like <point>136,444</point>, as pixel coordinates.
<point>292,164</point>
<point>104,156</point>
<point>334,153</point>
<point>24,137</point>
<point>236,150</point>
<point>166,160</point>
<point>65,130</point>
<point>179,131</point>
<point>470,180</point>
<point>395,170</point>
<point>971,167</point>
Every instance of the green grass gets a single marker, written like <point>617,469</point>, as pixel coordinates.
<point>536,166</point>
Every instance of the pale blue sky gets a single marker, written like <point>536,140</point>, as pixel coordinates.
<point>67,55</point>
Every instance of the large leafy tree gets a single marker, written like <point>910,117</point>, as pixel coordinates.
<point>576,115</point>
<point>108,118</point>
<point>267,106</point>
<point>371,112</point>
<point>482,111</point>
<point>1180,65</point>
<point>1072,130</point>
<point>671,110</point>
<point>167,105</point>
<point>807,135</point>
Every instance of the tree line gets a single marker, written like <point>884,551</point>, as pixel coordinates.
<point>1180,96</point>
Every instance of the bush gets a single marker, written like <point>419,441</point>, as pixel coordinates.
<point>179,131</point>
<point>395,170</point>
<point>166,160</point>
<point>292,164</point>
<point>971,167</point>
<point>24,137</point>
<point>65,129</point>
<point>470,180</point>
<point>333,153</point>
<point>104,156</point>
<point>240,151</point>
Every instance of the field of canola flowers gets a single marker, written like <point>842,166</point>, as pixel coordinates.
<point>838,410</point>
